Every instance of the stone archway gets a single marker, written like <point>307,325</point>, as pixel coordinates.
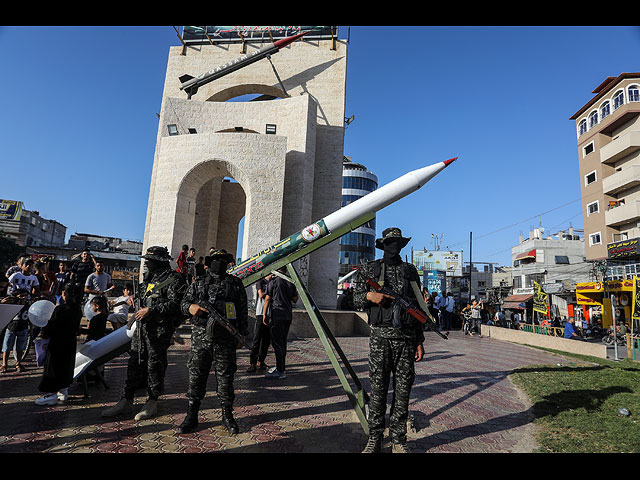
<point>246,89</point>
<point>210,207</point>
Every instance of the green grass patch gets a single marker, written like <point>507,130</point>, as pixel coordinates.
<point>576,404</point>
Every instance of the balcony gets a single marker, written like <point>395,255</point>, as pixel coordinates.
<point>623,214</point>
<point>626,178</point>
<point>620,147</point>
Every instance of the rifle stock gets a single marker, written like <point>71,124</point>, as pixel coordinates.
<point>405,305</point>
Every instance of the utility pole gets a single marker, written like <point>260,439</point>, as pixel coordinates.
<point>435,241</point>
<point>470,262</point>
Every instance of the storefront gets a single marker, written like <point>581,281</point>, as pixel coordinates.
<point>594,298</point>
<point>521,304</point>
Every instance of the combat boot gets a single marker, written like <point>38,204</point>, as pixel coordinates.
<point>374,445</point>
<point>399,447</point>
<point>191,420</point>
<point>228,421</point>
<point>149,410</point>
<point>123,406</point>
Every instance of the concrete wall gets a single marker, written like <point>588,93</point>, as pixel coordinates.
<point>545,341</point>
<point>342,323</point>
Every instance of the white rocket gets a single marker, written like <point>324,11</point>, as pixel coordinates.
<point>370,203</point>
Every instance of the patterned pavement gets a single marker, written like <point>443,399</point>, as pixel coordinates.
<point>462,401</point>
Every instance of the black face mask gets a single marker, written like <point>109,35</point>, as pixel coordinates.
<point>218,267</point>
<point>151,267</point>
<point>392,250</point>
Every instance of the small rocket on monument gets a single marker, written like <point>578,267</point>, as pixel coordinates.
<point>191,84</point>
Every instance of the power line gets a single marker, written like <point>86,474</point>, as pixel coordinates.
<point>521,221</point>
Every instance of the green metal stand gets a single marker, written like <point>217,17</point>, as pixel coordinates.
<point>359,399</point>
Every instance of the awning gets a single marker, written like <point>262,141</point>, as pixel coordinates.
<point>515,301</point>
<point>529,254</point>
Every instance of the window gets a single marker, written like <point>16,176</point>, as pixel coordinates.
<point>359,183</point>
<point>562,259</point>
<point>593,207</point>
<point>588,149</point>
<point>593,119</point>
<point>618,99</point>
<point>517,282</point>
<point>634,93</point>
<point>605,110</point>
<point>534,277</point>
<point>590,178</point>
<point>270,129</point>
<point>618,237</point>
<point>583,127</point>
<point>173,129</point>
<point>594,239</point>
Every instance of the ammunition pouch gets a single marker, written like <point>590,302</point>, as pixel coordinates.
<point>396,320</point>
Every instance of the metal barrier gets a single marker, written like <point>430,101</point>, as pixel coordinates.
<point>633,344</point>
<point>542,330</point>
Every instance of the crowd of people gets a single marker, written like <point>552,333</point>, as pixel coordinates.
<point>69,286</point>
<point>215,304</point>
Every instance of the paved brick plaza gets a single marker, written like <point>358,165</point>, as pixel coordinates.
<point>462,401</point>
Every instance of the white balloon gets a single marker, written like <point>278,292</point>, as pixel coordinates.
<point>40,312</point>
<point>88,313</point>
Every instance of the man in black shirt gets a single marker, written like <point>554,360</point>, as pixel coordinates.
<point>278,314</point>
<point>83,268</point>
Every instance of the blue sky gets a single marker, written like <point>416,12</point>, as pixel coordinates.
<point>79,123</point>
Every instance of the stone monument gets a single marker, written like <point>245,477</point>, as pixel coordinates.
<point>275,161</point>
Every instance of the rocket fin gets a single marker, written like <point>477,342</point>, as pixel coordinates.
<point>185,78</point>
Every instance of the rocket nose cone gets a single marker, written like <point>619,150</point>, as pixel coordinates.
<point>447,162</point>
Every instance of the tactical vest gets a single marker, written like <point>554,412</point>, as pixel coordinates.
<point>220,304</point>
<point>152,291</point>
<point>379,316</point>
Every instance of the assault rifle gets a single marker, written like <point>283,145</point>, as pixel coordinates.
<point>215,317</point>
<point>151,289</point>
<point>407,307</point>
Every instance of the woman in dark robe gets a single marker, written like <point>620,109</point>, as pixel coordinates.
<point>60,359</point>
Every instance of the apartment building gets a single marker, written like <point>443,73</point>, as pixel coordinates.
<point>33,230</point>
<point>552,260</point>
<point>608,132</point>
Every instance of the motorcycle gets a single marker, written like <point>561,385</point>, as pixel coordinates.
<point>609,338</point>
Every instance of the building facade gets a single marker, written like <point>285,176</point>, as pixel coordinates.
<point>100,242</point>
<point>557,263</point>
<point>359,246</point>
<point>33,230</point>
<point>554,259</point>
<point>608,132</point>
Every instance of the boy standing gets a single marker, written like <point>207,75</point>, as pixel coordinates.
<point>24,279</point>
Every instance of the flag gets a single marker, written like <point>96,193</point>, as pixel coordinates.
<point>539,299</point>
<point>635,305</point>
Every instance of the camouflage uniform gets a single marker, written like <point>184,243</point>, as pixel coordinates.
<point>221,349</point>
<point>391,349</point>
<point>156,331</point>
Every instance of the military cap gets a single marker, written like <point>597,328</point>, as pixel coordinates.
<point>218,254</point>
<point>160,254</point>
<point>393,233</point>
